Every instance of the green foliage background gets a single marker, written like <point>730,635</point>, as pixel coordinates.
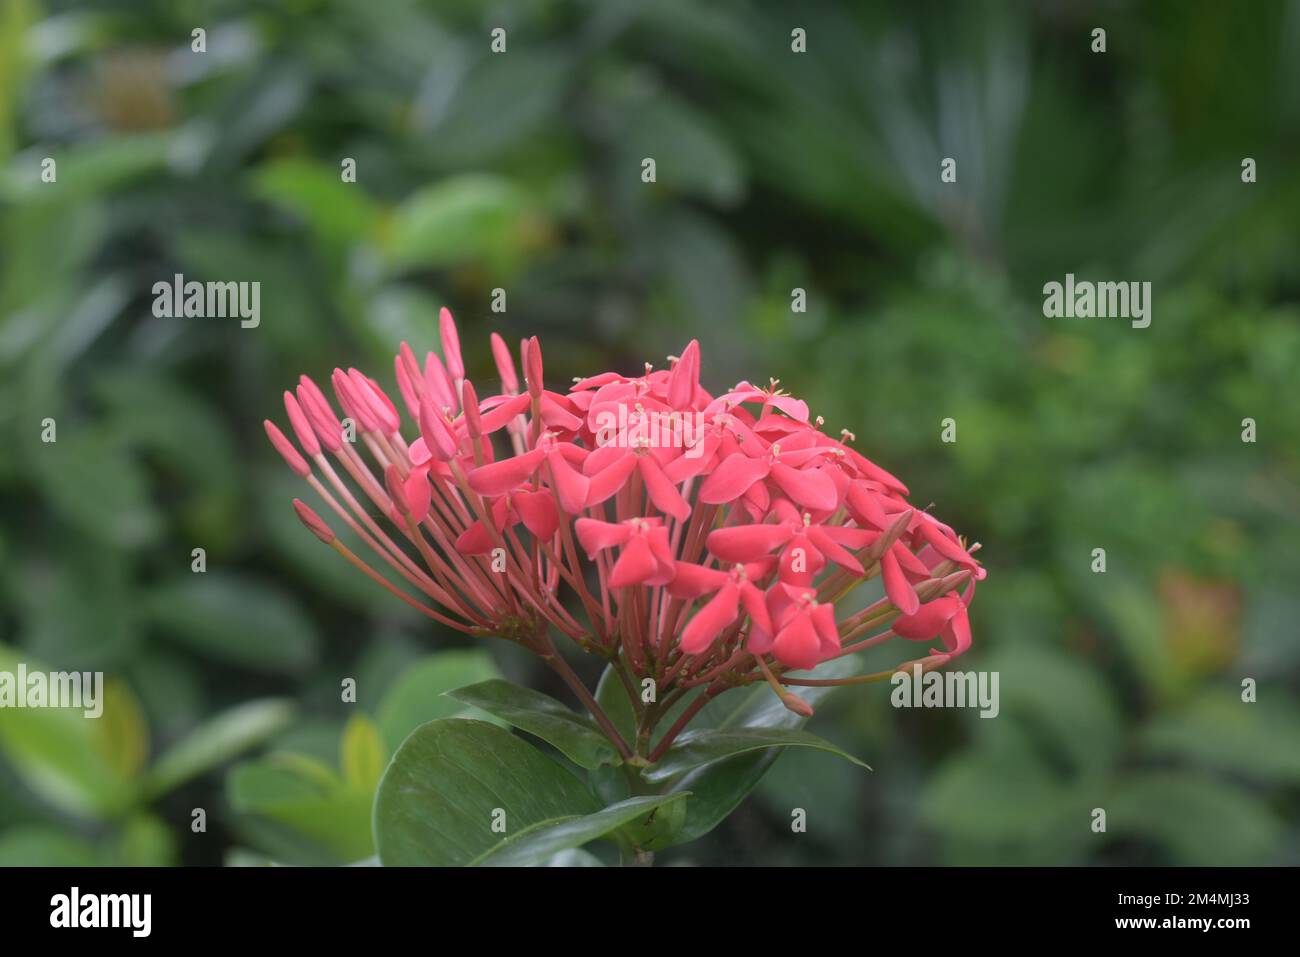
<point>775,170</point>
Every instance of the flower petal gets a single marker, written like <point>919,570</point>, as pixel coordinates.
<point>538,512</point>
<point>595,535</point>
<point>731,478</point>
<point>747,543</point>
<point>797,644</point>
<point>636,563</point>
<point>506,475</point>
<point>692,581</point>
<point>929,620</point>
<point>662,492</point>
<point>709,621</point>
<point>605,484</point>
<point>808,487</point>
<point>897,587</point>
<point>570,485</point>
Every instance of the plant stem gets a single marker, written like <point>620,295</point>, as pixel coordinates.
<point>691,711</point>
<point>552,657</point>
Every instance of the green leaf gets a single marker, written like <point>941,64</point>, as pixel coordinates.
<point>452,779</point>
<point>146,841</point>
<point>537,843</point>
<point>218,740</point>
<point>702,161</point>
<point>243,622</point>
<point>300,796</point>
<point>362,754</point>
<point>1001,796</point>
<point>1197,820</point>
<point>45,847</point>
<point>706,745</point>
<point>612,697</point>
<point>89,169</point>
<point>338,213</point>
<point>465,219</point>
<point>120,512</point>
<point>60,753</point>
<point>419,695</point>
<point>576,737</point>
<point>718,788</point>
<point>658,829</point>
<point>121,730</point>
<point>1260,740</point>
<point>1071,706</point>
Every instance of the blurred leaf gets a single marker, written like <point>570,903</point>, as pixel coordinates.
<point>265,100</point>
<point>419,695</point>
<point>122,733</point>
<point>79,607</point>
<point>1003,795</point>
<point>576,737</point>
<point>1069,703</point>
<point>452,778</point>
<point>1200,822</point>
<point>16,18</point>
<point>217,741</point>
<point>119,512</point>
<point>45,847</point>
<point>241,621</point>
<point>185,432</point>
<point>339,214</point>
<point>362,754</point>
<point>324,812</point>
<point>1260,740</point>
<point>146,841</point>
<point>86,170</point>
<point>521,93</point>
<point>58,753</point>
<point>690,155</point>
<point>291,311</point>
<point>464,219</point>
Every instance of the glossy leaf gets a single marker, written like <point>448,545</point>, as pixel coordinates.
<point>420,694</point>
<point>541,841</point>
<point>577,738</point>
<point>717,789</point>
<point>453,779</point>
<point>704,746</point>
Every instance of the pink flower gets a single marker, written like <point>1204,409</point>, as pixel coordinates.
<point>697,540</point>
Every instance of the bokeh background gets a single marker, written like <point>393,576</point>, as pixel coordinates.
<point>775,170</point>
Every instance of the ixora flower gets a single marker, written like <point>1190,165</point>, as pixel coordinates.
<point>702,555</point>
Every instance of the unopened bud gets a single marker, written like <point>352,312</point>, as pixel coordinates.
<point>313,521</point>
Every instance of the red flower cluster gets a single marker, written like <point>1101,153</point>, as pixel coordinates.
<point>701,535</point>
